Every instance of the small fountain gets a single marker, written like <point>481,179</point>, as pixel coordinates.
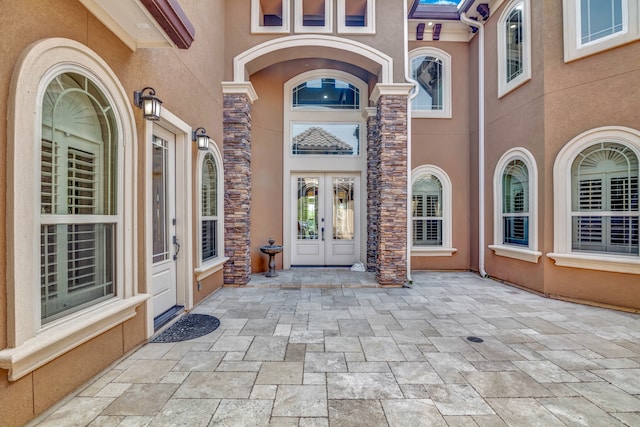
<point>271,250</point>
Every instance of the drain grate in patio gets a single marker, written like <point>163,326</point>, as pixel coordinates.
<point>188,327</point>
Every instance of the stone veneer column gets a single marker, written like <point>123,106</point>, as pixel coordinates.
<point>238,98</point>
<point>391,102</point>
<point>373,201</point>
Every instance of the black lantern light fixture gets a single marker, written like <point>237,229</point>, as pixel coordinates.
<point>149,102</point>
<point>200,137</point>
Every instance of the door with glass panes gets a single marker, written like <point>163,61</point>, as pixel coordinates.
<point>325,213</point>
<point>166,246</point>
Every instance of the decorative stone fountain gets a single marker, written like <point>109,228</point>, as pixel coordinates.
<point>271,250</point>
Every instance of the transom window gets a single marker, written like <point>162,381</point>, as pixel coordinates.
<point>431,69</point>
<point>325,117</point>
<point>605,200</point>
<point>326,93</point>
<point>78,183</point>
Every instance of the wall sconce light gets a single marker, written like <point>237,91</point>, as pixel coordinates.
<point>200,137</point>
<point>150,104</point>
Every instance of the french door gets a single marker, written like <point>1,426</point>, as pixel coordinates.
<point>165,241</point>
<point>325,216</point>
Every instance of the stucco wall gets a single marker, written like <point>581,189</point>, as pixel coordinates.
<point>600,90</point>
<point>187,81</point>
<point>445,143</point>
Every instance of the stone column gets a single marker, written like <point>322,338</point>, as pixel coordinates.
<point>238,98</point>
<point>391,102</point>
<point>373,202</point>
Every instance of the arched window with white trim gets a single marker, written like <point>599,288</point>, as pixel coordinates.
<point>431,212</point>
<point>596,201</point>
<point>431,68</point>
<point>71,198</point>
<point>514,46</point>
<point>515,189</point>
<point>210,205</point>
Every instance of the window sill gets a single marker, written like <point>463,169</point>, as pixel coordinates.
<point>54,340</point>
<point>436,251</point>
<point>209,268</point>
<point>516,253</point>
<point>424,114</point>
<point>616,264</point>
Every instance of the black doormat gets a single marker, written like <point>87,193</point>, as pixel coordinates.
<point>188,327</point>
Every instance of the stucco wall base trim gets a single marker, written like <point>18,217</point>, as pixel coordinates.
<point>613,264</point>
<point>76,330</point>
<point>516,253</point>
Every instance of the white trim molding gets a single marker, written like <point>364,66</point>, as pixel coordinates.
<point>241,60</point>
<point>504,87</point>
<point>30,342</point>
<point>529,253</point>
<point>563,253</point>
<point>573,46</point>
<point>446,249</point>
<point>446,111</point>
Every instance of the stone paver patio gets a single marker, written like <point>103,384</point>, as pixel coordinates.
<point>351,354</point>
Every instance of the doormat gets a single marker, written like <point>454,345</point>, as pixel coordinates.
<point>188,327</point>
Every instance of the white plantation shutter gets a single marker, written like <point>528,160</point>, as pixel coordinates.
<point>77,202</point>
<point>209,204</point>
<point>427,211</point>
<point>605,200</point>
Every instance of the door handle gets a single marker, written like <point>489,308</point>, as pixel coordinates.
<point>175,243</point>
<point>322,230</point>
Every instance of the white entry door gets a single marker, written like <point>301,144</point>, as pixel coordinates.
<point>326,215</point>
<point>165,241</point>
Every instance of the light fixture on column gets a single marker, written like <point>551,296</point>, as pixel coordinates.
<point>200,137</point>
<point>149,102</point>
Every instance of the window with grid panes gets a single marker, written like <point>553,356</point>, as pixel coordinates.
<point>78,197</point>
<point>427,211</point>
<point>515,204</point>
<point>209,206</point>
<point>605,200</point>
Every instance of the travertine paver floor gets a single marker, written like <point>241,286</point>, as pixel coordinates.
<point>362,356</point>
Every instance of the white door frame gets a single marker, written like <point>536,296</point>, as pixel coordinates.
<point>323,164</point>
<point>183,200</point>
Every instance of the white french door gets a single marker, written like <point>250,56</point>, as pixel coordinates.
<point>325,212</point>
<point>165,241</point>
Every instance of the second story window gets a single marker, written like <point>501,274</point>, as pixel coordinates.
<point>431,68</point>
<point>593,26</point>
<point>514,46</point>
<point>313,16</point>
<point>270,16</point>
<point>356,16</point>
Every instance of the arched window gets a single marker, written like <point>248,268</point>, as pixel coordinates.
<point>78,194</point>
<point>431,212</point>
<point>514,46</point>
<point>71,198</point>
<point>515,206</point>
<point>431,68</point>
<point>210,204</point>
<point>596,201</point>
